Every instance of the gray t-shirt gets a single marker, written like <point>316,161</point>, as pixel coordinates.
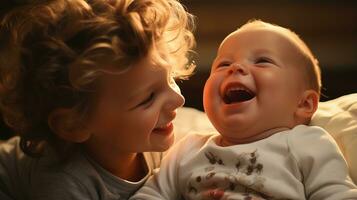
<point>24,177</point>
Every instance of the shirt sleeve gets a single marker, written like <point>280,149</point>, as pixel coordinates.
<point>58,186</point>
<point>22,177</point>
<point>324,170</point>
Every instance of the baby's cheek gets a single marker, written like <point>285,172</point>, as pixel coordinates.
<point>207,96</point>
<point>211,86</point>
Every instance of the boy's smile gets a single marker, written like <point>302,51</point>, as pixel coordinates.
<point>164,130</point>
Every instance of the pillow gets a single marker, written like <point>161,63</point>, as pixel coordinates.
<point>338,117</point>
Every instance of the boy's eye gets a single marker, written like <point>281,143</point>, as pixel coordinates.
<point>148,100</point>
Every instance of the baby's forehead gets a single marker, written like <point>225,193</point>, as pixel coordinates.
<point>261,33</point>
<point>264,37</point>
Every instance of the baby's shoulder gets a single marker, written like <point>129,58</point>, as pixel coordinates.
<point>311,140</point>
<point>192,141</point>
<point>304,133</point>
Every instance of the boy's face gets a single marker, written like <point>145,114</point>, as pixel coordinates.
<point>134,111</point>
<point>255,85</point>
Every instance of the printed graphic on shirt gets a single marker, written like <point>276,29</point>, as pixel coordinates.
<point>221,180</point>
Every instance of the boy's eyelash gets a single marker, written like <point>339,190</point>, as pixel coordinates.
<point>149,99</point>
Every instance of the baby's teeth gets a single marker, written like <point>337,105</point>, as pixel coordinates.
<point>237,88</point>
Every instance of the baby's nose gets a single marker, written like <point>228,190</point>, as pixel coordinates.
<point>238,68</point>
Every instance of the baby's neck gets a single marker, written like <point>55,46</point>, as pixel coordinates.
<point>223,141</point>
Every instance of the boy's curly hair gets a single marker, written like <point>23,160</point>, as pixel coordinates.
<point>53,51</point>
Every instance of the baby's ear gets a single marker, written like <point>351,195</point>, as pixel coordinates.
<point>307,105</point>
<point>64,122</point>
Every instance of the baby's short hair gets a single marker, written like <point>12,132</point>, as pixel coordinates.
<point>312,68</point>
<point>52,53</point>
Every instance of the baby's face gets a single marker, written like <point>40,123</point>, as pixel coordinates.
<point>255,85</point>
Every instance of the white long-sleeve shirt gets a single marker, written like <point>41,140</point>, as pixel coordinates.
<point>302,163</point>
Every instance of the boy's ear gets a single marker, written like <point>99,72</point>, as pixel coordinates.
<point>65,124</point>
<point>307,105</point>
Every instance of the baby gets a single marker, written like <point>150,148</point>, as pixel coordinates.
<point>263,89</point>
<point>89,88</point>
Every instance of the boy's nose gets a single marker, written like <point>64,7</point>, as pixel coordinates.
<point>237,68</point>
<point>175,99</point>
<point>180,100</point>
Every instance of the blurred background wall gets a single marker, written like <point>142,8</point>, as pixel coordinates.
<point>328,27</point>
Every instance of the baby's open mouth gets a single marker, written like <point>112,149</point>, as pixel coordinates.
<point>237,95</point>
